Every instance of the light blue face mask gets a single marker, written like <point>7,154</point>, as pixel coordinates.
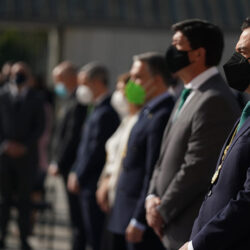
<point>60,90</point>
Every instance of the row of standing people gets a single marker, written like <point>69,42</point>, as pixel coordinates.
<point>148,188</point>
<point>160,163</point>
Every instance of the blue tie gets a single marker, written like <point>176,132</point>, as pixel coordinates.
<point>245,114</point>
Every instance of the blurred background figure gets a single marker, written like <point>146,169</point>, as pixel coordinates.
<point>66,140</point>
<point>116,145</point>
<point>101,124</point>
<point>115,148</point>
<point>148,87</point>
<point>44,142</point>
<point>21,125</point>
<point>5,74</point>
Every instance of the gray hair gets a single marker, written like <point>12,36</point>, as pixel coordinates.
<point>95,70</point>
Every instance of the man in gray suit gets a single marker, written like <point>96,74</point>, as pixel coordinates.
<point>196,130</point>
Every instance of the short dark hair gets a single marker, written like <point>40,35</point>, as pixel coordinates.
<point>123,77</point>
<point>96,70</point>
<point>245,24</point>
<point>201,33</point>
<point>156,63</point>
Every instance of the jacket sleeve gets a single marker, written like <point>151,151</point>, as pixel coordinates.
<point>38,123</point>
<point>207,133</point>
<point>152,153</point>
<point>68,149</point>
<point>151,189</point>
<point>91,161</point>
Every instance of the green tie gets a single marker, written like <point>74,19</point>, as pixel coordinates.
<point>184,94</point>
<point>245,114</point>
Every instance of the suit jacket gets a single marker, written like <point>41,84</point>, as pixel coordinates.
<point>223,221</point>
<point>91,154</point>
<point>188,157</point>
<point>68,133</point>
<point>21,120</point>
<point>142,152</point>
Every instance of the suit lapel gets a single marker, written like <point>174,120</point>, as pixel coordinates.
<point>243,129</point>
<point>227,142</point>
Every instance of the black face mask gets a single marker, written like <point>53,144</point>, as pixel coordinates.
<point>237,71</point>
<point>176,59</point>
<point>20,78</point>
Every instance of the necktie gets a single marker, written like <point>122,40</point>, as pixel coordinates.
<point>245,114</point>
<point>184,95</point>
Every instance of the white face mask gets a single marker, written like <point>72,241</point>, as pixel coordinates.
<point>84,95</point>
<point>120,103</point>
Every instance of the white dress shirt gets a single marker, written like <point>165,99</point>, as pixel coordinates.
<point>197,82</point>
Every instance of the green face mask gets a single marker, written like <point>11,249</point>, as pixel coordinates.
<point>135,93</point>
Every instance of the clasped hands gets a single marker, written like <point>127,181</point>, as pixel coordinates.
<point>154,218</point>
<point>15,149</point>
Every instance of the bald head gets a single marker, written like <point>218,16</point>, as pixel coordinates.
<point>65,73</point>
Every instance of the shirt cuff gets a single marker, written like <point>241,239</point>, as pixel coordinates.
<point>190,245</point>
<point>137,224</point>
<point>150,196</point>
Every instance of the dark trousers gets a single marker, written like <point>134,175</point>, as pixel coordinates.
<point>16,183</point>
<point>150,242</point>
<point>79,241</point>
<point>93,220</point>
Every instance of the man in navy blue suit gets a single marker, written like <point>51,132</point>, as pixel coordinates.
<point>101,124</point>
<point>223,220</point>
<point>127,220</point>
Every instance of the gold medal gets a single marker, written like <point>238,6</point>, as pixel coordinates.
<point>217,172</point>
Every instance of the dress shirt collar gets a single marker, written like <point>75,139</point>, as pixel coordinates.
<point>15,93</point>
<point>202,78</point>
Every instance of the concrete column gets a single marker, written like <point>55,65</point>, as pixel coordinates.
<point>55,47</point>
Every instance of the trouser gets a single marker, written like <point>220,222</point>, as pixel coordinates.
<point>79,241</point>
<point>93,220</point>
<point>16,183</point>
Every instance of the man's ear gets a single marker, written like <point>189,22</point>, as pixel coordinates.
<point>198,55</point>
<point>200,52</point>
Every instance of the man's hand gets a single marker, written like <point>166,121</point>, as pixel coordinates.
<point>73,184</point>
<point>152,203</point>
<point>184,247</point>
<point>102,195</point>
<point>133,234</point>
<point>15,149</point>
<point>53,169</point>
<point>154,218</point>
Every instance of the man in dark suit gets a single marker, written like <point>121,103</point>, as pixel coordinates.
<point>223,221</point>
<point>91,155</point>
<point>194,134</point>
<point>65,143</point>
<point>127,219</point>
<point>21,125</point>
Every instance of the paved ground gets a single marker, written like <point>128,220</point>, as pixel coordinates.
<point>52,230</point>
